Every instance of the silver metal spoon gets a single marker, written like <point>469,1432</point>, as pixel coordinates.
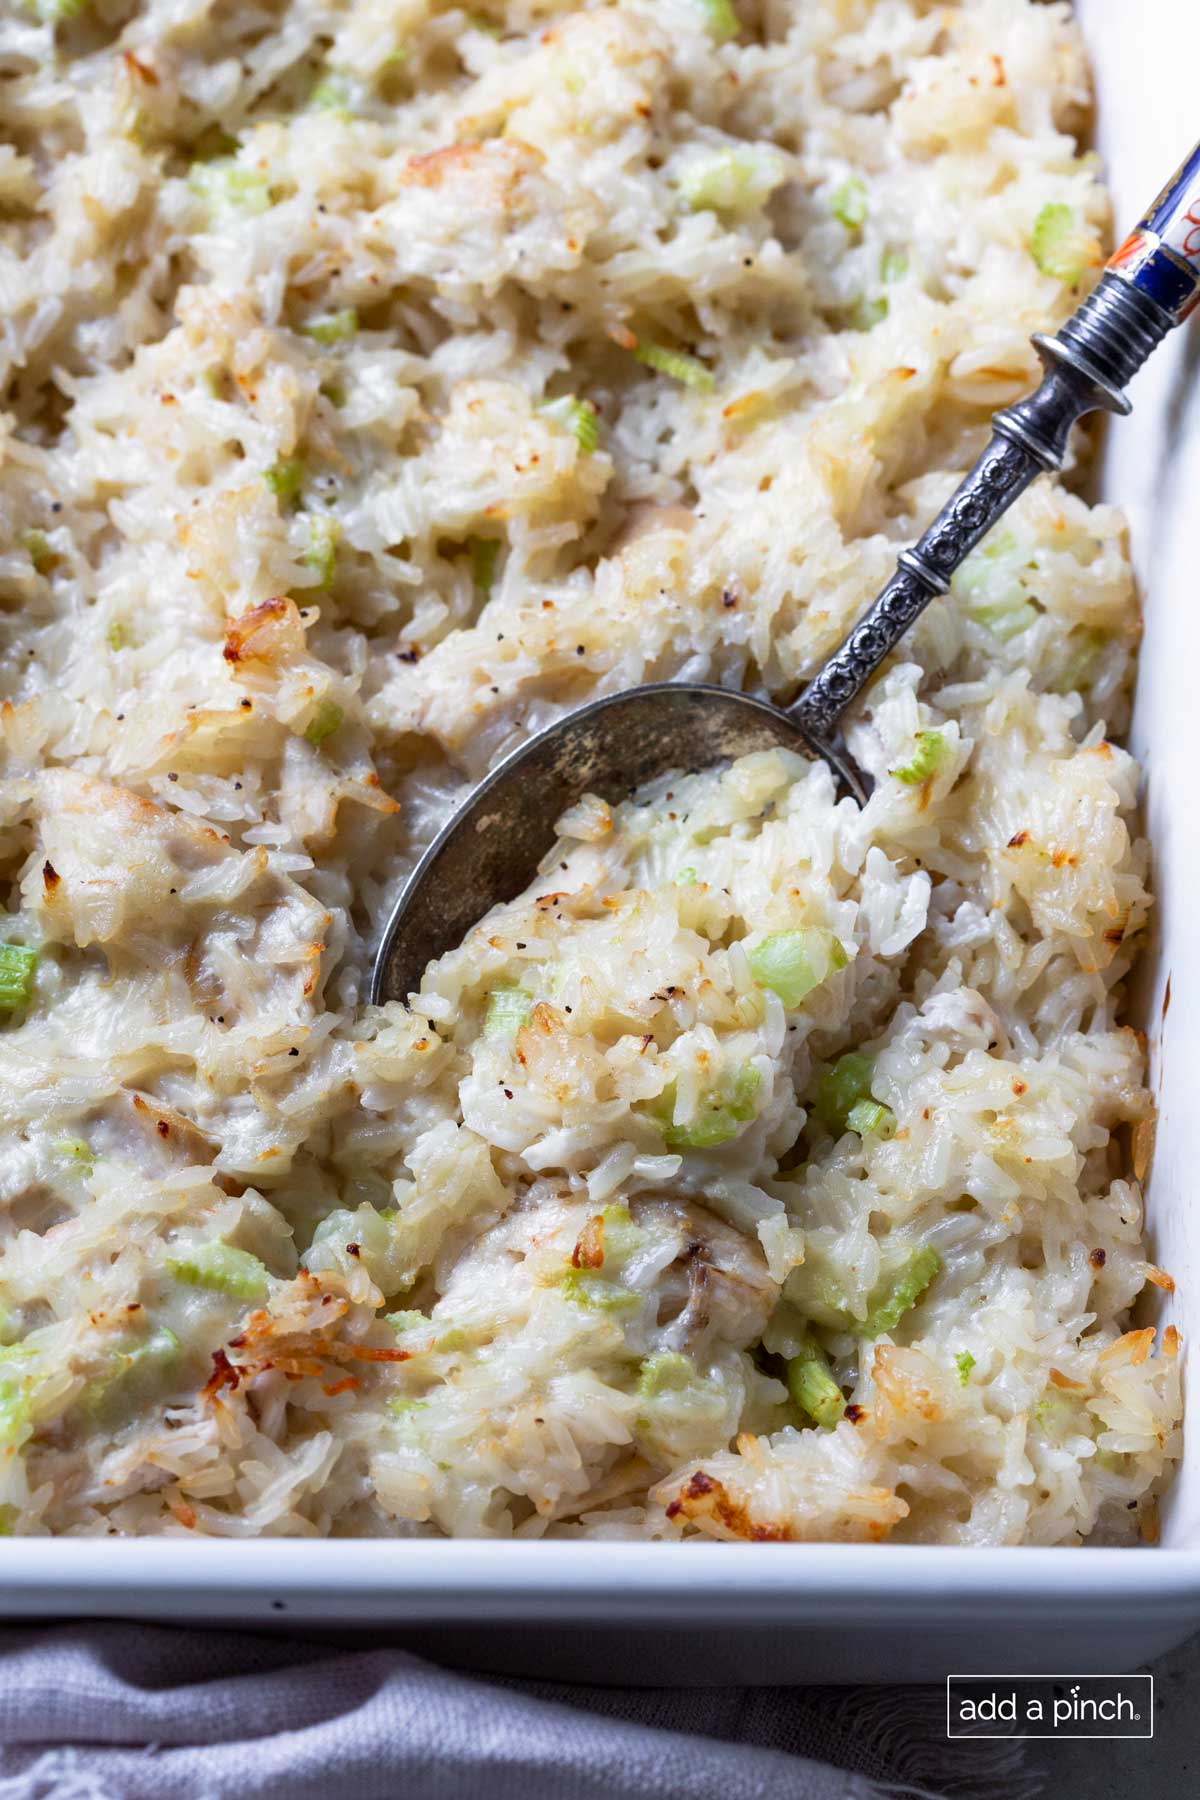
<point>491,848</point>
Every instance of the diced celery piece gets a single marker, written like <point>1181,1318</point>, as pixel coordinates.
<point>1006,621</point>
<point>723,22</point>
<point>812,1386</point>
<point>405,1321</point>
<point>893,266</point>
<point>666,1373</point>
<point>455,1338</point>
<point>484,552</point>
<point>15,1415</point>
<point>16,1401</point>
<point>332,94</point>
<point>37,547</point>
<point>964,1362</point>
<point>76,1153</point>
<point>901,1292</point>
<point>116,637</point>
<point>589,1289</point>
<point>621,1236</point>
<point>720,1119</point>
<point>324,722</point>
<point>679,366</point>
<point>285,478</point>
<point>321,554</point>
<point>579,417</point>
<point>686,877</point>
<point>1060,246</point>
<point>508,1007</point>
<point>849,204</point>
<point>140,1367</point>
<point>17,964</point>
<point>228,189</point>
<point>870,1118</point>
<point>846,1082</point>
<point>222,1267</point>
<point>793,963</point>
<point>868,313</point>
<point>56,12</point>
<point>930,751</point>
<point>734,180</point>
<point>1087,647</point>
<point>332,328</point>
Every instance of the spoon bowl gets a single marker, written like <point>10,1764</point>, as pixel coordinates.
<point>491,848</point>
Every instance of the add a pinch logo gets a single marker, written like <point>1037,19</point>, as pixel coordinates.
<point>1081,1706</point>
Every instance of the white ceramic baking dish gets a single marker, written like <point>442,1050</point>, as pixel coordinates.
<point>776,1613</point>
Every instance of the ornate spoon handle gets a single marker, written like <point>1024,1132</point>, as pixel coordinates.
<point>1149,285</point>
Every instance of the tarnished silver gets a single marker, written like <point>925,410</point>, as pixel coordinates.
<point>493,845</point>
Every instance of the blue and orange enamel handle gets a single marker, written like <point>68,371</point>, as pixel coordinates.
<point>1150,285</point>
<point>1160,258</point>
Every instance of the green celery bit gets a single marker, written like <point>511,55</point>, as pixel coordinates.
<point>1059,246</point>
<point>871,1118</point>
<point>222,1267</point>
<point>324,722</point>
<point>56,12</point>
<point>37,546</point>
<point>849,203</point>
<point>666,1373</point>
<point>321,555</point>
<point>868,313</point>
<point>893,266</point>
<point>964,1362</point>
<point>680,367</point>
<point>285,478</point>
<point>724,1114</point>
<point>579,417</point>
<point>332,328</point>
<point>686,877</point>
<point>1006,621</point>
<point>407,1411</point>
<point>847,1081</point>
<point>793,963</point>
<point>76,1152</point>
<point>586,1288</point>
<point>733,180</point>
<point>16,1415</point>
<point>16,1403</point>
<point>812,1386</point>
<point>116,636</point>
<point>332,94</point>
<point>929,754</point>
<point>17,964</point>
<point>484,552</point>
<point>453,1339</point>
<point>621,1236</point>
<point>889,1305</point>
<point>140,1367</point>
<point>405,1321</point>
<point>508,1007</point>
<point>723,22</point>
<point>1079,662</point>
<point>228,189</point>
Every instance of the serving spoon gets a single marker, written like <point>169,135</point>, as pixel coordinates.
<point>491,848</point>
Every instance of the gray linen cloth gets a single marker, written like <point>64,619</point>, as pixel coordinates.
<point>145,1712</point>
